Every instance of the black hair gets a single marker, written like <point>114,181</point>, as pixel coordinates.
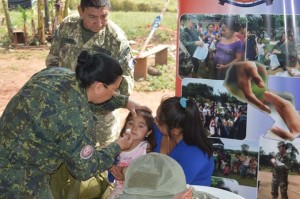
<point>174,115</point>
<point>94,3</point>
<point>213,25</point>
<point>97,67</point>
<point>231,24</point>
<point>149,122</point>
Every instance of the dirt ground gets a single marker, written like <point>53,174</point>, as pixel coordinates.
<point>264,191</point>
<point>17,66</point>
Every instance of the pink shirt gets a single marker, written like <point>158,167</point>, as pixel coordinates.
<point>124,160</point>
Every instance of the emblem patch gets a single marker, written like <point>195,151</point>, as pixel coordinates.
<point>87,152</point>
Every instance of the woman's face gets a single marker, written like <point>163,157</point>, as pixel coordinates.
<point>100,92</point>
<point>226,32</point>
<point>139,128</point>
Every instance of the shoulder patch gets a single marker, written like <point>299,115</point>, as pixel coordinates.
<point>87,152</point>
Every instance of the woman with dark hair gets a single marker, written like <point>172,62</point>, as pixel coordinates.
<point>49,122</point>
<point>286,51</point>
<point>180,134</point>
<point>229,48</point>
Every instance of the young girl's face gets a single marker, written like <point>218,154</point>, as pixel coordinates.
<point>139,128</point>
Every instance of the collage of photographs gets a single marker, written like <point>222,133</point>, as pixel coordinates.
<point>243,71</point>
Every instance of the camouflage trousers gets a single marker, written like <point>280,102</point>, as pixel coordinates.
<point>65,186</point>
<point>283,184</point>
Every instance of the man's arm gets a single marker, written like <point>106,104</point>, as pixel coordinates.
<point>52,59</point>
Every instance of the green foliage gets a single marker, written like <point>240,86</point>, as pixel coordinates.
<point>23,12</point>
<point>140,5</point>
<point>138,24</point>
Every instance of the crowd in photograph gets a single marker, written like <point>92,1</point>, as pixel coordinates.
<point>226,122</point>
<point>229,40</point>
<point>242,164</point>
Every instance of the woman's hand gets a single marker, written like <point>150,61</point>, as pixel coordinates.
<point>125,142</point>
<point>221,66</point>
<point>133,106</point>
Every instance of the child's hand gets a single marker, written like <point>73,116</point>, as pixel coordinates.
<point>117,172</point>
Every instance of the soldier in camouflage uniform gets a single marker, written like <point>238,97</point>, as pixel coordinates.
<point>281,164</point>
<point>189,37</point>
<point>94,32</point>
<point>49,122</point>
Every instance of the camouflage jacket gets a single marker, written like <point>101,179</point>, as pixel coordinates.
<point>284,166</point>
<point>47,123</point>
<point>188,38</point>
<point>67,44</point>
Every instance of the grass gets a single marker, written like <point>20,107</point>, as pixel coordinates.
<point>153,5</point>
<point>136,25</point>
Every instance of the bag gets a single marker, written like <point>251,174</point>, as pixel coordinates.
<point>185,61</point>
<point>201,52</point>
<point>274,62</point>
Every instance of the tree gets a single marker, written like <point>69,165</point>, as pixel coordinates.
<point>66,8</point>
<point>261,151</point>
<point>245,147</point>
<point>24,16</point>
<point>8,21</point>
<point>41,21</point>
<point>195,90</point>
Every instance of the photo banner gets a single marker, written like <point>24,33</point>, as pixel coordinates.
<point>240,61</point>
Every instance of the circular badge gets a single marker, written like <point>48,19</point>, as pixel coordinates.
<point>86,152</point>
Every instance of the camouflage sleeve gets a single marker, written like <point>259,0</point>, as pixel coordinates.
<point>184,39</point>
<point>85,167</point>
<point>52,59</point>
<point>287,162</point>
<point>75,140</point>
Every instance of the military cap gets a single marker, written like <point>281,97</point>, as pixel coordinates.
<point>281,143</point>
<point>153,175</point>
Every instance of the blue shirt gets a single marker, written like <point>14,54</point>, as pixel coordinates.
<point>196,164</point>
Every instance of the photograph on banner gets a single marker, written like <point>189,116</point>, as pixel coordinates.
<point>227,184</point>
<point>222,114</point>
<point>243,82</point>
<point>274,40</point>
<point>212,43</point>
<point>279,169</point>
<point>237,162</point>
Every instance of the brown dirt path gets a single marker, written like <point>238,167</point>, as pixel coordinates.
<point>17,66</point>
<point>265,178</point>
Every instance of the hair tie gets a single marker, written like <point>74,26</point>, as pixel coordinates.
<point>83,58</point>
<point>183,102</point>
